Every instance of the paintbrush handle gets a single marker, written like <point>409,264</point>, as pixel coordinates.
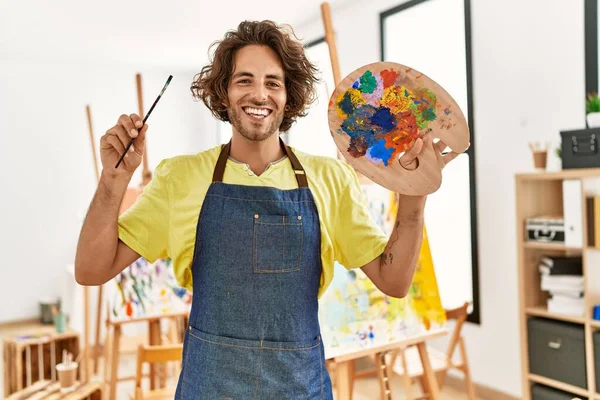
<point>145,118</point>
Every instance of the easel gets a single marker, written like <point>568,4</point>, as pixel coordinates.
<point>111,348</point>
<point>344,365</point>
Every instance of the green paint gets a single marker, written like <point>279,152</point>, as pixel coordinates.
<point>368,83</point>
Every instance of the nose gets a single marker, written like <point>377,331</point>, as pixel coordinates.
<point>260,93</point>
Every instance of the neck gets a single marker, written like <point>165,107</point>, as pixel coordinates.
<point>257,155</point>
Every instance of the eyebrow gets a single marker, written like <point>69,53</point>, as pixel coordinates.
<point>244,73</point>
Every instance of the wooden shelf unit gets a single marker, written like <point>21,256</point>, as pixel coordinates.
<point>540,193</point>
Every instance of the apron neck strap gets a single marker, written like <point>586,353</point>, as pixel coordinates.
<point>298,169</point>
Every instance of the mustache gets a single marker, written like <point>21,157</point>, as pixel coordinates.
<point>260,104</point>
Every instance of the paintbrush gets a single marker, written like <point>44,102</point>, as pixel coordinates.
<point>145,119</point>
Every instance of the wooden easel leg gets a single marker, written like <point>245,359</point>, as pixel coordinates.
<point>343,380</point>
<point>406,377</point>
<point>154,339</point>
<point>96,347</point>
<point>385,392</point>
<point>429,379</point>
<point>114,360</point>
<point>467,371</point>
<point>106,361</point>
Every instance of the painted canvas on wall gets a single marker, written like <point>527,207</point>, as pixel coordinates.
<point>354,314</point>
<point>145,289</point>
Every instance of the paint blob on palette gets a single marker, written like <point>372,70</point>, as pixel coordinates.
<point>378,112</point>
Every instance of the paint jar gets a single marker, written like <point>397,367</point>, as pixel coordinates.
<point>539,159</point>
<point>46,305</point>
<point>597,312</point>
<point>60,322</point>
<point>67,376</point>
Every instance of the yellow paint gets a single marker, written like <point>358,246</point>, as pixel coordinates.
<point>394,98</point>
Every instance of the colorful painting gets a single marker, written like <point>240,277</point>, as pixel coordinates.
<point>354,314</point>
<point>145,289</point>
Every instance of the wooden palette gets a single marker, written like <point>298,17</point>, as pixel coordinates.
<point>378,111</point>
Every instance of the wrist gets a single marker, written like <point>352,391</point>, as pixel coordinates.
<point>114,184</point>
<point>411,208</point>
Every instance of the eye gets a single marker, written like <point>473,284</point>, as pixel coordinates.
<point>274,84</point>
<point>244,81</point>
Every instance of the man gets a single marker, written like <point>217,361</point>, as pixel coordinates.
<point>253,227</point>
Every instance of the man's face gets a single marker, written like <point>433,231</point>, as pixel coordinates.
<point>256,93</point>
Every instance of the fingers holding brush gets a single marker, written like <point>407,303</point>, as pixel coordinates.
<point>116,142</point>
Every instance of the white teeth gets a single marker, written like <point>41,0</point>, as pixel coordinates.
<point>263,112</point>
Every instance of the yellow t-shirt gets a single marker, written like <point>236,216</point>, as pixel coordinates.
<point>162,222</point>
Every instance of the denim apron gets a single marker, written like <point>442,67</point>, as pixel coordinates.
<point>253,329</point>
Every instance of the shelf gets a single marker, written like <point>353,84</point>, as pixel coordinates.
<point>542,311</point>
<point>549,246</point>
<point>559,385</point>
<point>576,173</point>
<point>595,323</point>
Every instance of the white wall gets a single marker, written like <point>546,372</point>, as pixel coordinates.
<point>46,167</point>
<point>528,72</point>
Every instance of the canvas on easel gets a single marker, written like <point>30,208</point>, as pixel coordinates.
<point>354,314</point>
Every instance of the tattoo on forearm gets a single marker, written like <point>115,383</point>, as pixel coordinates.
<point>384,259</point>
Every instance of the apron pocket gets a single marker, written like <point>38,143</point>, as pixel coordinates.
<point>277,243</point>
<point>217,367</point>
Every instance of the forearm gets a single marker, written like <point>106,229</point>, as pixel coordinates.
<point>98,240</point>
<point>400,257</point>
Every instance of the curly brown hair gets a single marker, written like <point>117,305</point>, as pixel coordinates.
<point>210,84</point>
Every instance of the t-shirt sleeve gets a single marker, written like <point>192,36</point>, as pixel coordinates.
<point>144,227</point>
<point>358,240</point>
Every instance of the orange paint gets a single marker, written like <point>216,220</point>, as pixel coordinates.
<point>389,77</point>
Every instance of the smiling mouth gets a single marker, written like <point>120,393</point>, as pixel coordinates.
<point>257,112</point>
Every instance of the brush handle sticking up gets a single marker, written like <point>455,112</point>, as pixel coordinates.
<point>145,118</point>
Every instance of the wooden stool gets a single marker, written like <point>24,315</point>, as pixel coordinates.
<point>153,355</point>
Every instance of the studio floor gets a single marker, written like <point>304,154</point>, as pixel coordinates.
<point>364,389</point>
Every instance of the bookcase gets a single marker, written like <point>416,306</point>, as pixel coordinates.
<point>541,193</point>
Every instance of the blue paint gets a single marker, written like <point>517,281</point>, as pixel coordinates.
<point>384,120</point>
<point>379,152</point>
<point>359,123</point>
<point>356,84</point>
<point>346,104</point>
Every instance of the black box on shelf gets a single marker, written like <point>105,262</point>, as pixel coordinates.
<point>579,148</point>
<point>549,229</point>
<point>596,340</point>
<point>541,392</point>
<point>557,350</point>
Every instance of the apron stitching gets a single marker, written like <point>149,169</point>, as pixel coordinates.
<point>264,201</point>
<point>276,271</point>
<point>283,254</point>
<point>259,370</point>
<point>322,384</point>
<point>261,347</point>
<point>270,223</point>
<point>187,356</point>
<point>301,241</point>
<point>255,250</point>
